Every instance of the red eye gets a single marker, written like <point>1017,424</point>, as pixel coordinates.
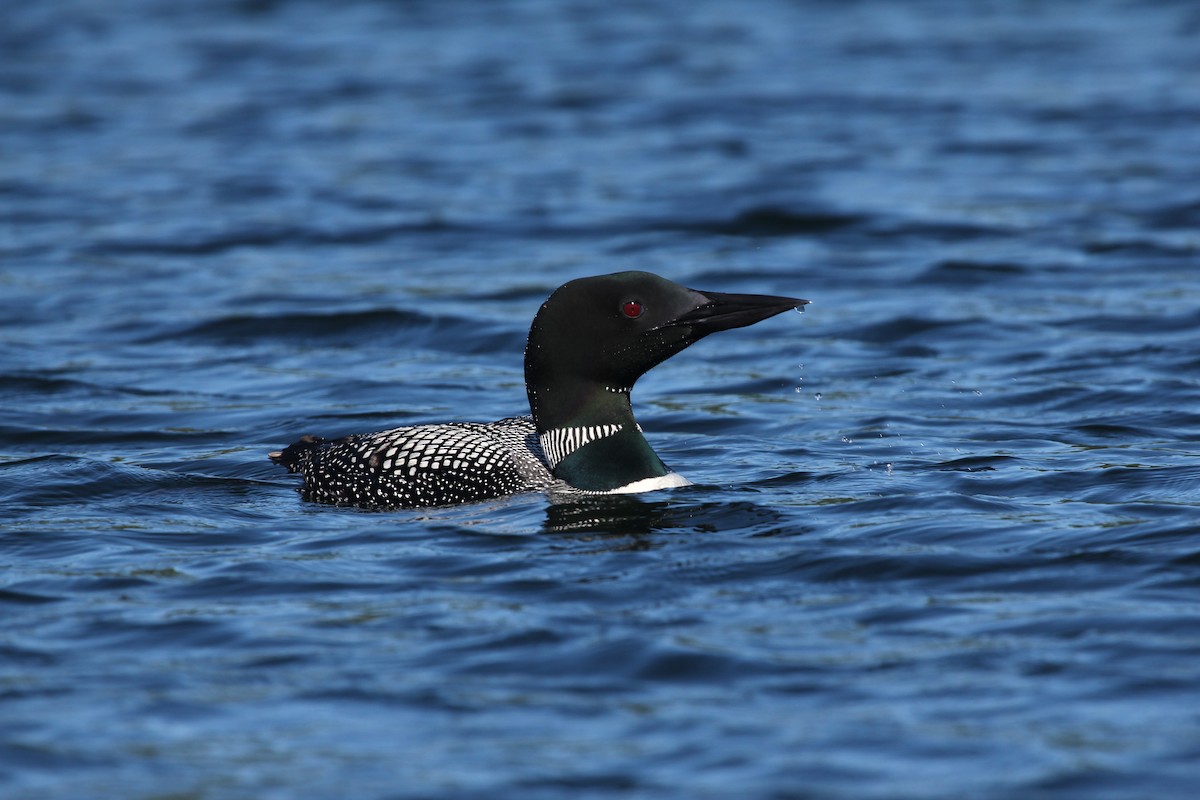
<point>632,309</point>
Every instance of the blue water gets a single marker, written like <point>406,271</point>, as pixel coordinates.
<point>944,539</point>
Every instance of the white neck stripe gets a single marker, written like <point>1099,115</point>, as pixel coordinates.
<point>561,442</point>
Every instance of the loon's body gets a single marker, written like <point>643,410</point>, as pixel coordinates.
<point>590,341</point>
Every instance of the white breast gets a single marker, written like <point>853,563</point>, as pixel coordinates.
<point>669,481</point>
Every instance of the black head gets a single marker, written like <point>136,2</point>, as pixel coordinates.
<point>599,335</point>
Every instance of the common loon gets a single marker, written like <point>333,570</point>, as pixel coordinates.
<point>589,343</point>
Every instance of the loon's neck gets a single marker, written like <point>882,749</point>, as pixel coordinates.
<point>590,437</point>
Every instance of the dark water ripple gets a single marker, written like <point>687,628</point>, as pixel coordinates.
<point>942,540</point>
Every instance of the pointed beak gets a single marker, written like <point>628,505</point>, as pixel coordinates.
<point>721,312</point>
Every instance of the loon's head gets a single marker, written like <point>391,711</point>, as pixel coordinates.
<point>594,337</point>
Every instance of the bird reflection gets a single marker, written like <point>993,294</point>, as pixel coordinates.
<point>629,515</point>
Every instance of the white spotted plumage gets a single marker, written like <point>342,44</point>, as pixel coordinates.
<point>445,464</point>
<point>422,465</point>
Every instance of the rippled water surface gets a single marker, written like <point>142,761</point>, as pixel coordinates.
<point>944,537</point>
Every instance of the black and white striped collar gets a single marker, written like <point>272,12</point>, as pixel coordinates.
<point>559,443</point>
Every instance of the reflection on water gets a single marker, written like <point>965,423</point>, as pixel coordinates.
<point>625,515</point>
